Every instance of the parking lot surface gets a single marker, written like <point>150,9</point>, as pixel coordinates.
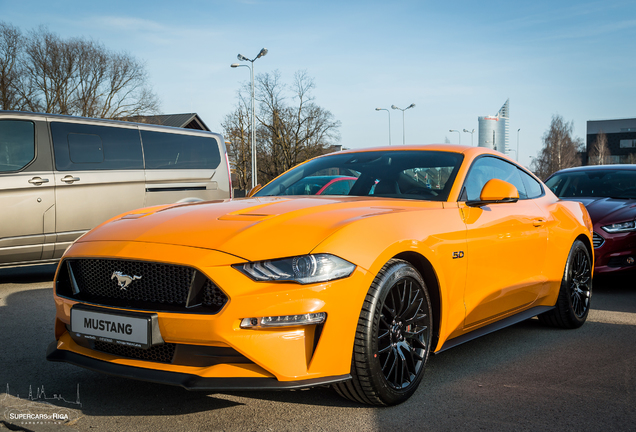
<point>525,377</point>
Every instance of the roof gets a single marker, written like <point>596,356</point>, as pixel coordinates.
<point>187,121</point>
<point>616,167</point>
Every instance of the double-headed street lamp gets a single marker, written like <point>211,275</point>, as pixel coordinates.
<point>471,135</point>
<point>241,57</point>
<point>384,109</point>
<point>459,134</point>
<point>396,108</point>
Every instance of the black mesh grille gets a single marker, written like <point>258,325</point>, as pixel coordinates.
<point>598,240</point>
<point>139,285</point>
<point>158,283</point>
<point>157,353</point>
<point>212,295</point>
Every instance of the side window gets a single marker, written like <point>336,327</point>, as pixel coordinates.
<point>90,147</point>
<point>84,148</point>
<point>533,187</point>
<point>17,144</point>
<point>175,151</point>
<point>488,168</point>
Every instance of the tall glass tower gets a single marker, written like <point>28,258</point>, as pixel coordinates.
<point>494,131</point>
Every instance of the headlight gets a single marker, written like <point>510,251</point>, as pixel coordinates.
<point>304,269</point>
<point>620,227</point>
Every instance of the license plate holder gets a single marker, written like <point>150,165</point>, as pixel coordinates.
<point>139,330</point>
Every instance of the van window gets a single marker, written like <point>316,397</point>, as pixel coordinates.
<point>84,148</point>
<point>90,147</point>
<point>175,151</point>
<point>17,144</point>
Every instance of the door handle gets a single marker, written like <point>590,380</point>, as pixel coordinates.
<point>538,222</point>
<point>70,179</point>
<point>38,181</point>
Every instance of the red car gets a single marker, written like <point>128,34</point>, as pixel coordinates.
<point>322,185</point>
<point>609,194</point>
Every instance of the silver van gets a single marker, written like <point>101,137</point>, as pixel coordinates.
<point>61,176</point>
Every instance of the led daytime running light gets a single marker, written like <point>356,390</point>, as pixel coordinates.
<point>284,321</point>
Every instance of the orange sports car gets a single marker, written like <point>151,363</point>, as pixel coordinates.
<point>433,246</point>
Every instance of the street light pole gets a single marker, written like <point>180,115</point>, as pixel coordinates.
<point>403,129</point>
<point>241,57</point>
<point>459,134</point>
<point>389,112</point>
<point>471,135</point>
<point>518,144</point>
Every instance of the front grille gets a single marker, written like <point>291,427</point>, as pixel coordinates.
<point>177,354</point>
<point>157,353</point>
<point>159,283</point>
<point>147,285</point>
<point>598,240</point>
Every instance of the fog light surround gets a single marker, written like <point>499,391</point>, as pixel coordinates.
<point>284,321</point>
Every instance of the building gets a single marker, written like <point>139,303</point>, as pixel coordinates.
<point>186,121</point>
<point>621,139</point>
<point>494,131</point>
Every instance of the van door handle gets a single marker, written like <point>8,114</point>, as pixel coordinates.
<point>538,222</point>
<point>70,179</point>
<point>38,181</point>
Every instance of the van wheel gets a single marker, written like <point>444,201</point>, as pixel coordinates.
<point>392,339</point>
<point>573,303</point>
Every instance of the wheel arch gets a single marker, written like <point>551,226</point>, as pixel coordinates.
<point>426,270</point>
<point>586,241</point>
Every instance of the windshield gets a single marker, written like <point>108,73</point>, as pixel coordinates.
<point>425,175</point>
<point>615,183</point>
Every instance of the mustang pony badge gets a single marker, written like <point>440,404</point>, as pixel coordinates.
<point>123,280</point>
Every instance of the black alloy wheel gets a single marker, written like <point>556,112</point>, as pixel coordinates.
<point>573,303</point>
<point>393,338</point>
<point>580,283</point>
<point>402,333</point>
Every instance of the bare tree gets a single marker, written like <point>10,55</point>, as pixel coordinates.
<point>45,73</point>
<point>292,133</point>
<point>631,158</point>
<point>236,128</point>
<point>290,129</point>
<point>600,154</point>
<point>560,149</point>
<point>11,43</point>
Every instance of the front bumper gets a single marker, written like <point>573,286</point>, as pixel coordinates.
<point>278,358</point>
<point>185,380</point>
<point>617,252</point>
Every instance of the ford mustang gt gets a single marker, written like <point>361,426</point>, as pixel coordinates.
<point>431,247</point>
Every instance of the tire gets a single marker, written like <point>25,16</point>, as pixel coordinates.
<point>393,338</point>
<point>573,303</point>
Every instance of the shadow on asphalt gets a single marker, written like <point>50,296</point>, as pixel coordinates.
<point>615,283</point>
<point>29,274</point>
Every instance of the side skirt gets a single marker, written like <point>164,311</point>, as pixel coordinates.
<point>506,322</point>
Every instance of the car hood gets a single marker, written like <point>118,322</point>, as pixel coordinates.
<point>609,210</point>
<point>252,228</point>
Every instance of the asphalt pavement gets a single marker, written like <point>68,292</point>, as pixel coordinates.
<point>526,377</point>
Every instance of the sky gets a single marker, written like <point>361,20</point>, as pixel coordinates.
<point>455,60</point>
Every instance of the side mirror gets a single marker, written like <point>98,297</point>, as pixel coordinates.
<point>254,190</point>
<point>496,191</point>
